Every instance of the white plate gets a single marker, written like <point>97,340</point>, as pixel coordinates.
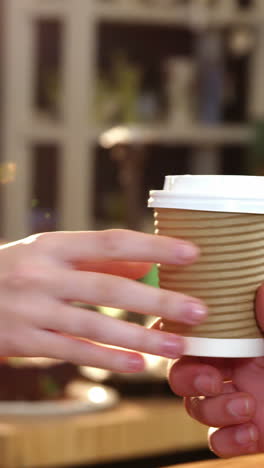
<point>86,398</point>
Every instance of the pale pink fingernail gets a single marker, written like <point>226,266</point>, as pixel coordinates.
<point>135,363</point>
<point>186,252</point>
<point>194,313</point>
<point>172,347</point>
<point>241,407</point>
<point>246,435</point>
<point>206,385</point>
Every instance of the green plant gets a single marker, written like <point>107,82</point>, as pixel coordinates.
<point>116,99</point>
<point>256,154</point>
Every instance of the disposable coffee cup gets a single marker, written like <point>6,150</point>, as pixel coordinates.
<point>224,217</point>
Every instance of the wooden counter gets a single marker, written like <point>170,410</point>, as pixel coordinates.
<point>256,461</point>
<point>133,429</point>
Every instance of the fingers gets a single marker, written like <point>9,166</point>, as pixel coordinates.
<point>190,377</point>
<point>132,270</point>
<point>234,441</point>
<point>116,292</point>
<point>222,410</point>
<point>118,245</point>
<point>81,352</point>
<point>102,329</point>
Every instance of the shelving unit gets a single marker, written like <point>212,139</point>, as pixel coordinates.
<point>158,12</point>
<point>75,134</point>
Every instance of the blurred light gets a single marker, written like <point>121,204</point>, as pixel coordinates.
<point>211,431</point>
<point>241,41</point>
<point>7,172</point>
<point>115,136</point>
<point>29,240</point>
<point>156,366</point>
<point>35,361</point>
<point>97,395</point>
<point>115,313</point>
<point>152,361</point>
<point>93,373</point>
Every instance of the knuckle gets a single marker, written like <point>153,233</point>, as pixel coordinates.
<point>143,339</point>
<point>164,302</point>
<point>54,314</point>
<point>96,332</point>
<point>104,289</point>
<point>47,241</point>
<point>26,275</point>
<point>112,241</point>
<point>77,324</point>
<point>44,243</point>
<point>21,275</point>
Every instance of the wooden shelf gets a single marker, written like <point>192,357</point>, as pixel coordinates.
<point>46,130</point>
<point>167,16</point>
<point>133,429</point>
<point>46,10</point>
<point>132,12</point>
<point>189,134</point>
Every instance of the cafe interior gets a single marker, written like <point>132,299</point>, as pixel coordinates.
<point>99,101</point>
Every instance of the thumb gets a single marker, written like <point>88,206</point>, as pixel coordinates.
<point>260,307</point>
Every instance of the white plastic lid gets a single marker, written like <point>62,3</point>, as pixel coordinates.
<point>225,347</point>
<point>234,194</point>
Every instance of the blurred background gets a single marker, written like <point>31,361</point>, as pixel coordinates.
<point>99,100</point>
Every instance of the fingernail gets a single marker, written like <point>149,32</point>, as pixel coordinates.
<point>135,363</point>
<point>186,252</point>
<point>246,435</point>
<point>206,385</point>
<point>193,313</point>
<point>239,407</point>
<point>172,347</point>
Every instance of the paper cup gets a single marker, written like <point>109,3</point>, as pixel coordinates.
<point>213,212</point>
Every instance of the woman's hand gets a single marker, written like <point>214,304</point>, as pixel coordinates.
<point>232,392</point>
<point>42,276</point>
